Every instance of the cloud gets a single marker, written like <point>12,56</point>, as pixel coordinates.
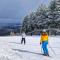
<point>17,9</point>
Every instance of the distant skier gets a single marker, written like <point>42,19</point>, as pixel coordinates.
<point>44,42</point>
<point>23,38</point>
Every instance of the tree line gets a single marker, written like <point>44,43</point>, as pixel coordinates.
<point>43,18</point>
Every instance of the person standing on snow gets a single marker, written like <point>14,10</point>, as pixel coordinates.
<point>44,42</point>
<point>23,38</point>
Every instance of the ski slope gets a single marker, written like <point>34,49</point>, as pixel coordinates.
<point>11,49</point>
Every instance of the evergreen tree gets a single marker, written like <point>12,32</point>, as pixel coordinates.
<point>53,14</point>
<point>43,18</point>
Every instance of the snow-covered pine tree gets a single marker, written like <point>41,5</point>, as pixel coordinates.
<point>53,15</point>
<point>28,23</point>
<point>42,16</point>
<point>58,6</point>
<point>36,20</point>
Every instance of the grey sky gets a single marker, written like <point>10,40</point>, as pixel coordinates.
<point>15,10</point>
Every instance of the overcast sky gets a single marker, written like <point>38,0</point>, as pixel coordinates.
<point>15,10</point>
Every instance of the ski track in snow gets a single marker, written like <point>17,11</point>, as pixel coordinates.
<point>11,49</point>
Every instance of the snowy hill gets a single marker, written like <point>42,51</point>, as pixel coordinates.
<point>11,49</point>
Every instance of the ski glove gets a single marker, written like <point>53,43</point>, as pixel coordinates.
<point>40,43</point>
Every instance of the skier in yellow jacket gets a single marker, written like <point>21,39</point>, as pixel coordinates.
<point>44,42</point>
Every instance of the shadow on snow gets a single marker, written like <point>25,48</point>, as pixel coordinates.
<point>19,50</point>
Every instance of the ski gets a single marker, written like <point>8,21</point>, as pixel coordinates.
<point>45,55</point>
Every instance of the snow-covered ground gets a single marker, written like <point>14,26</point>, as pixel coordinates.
<point>11,49</point>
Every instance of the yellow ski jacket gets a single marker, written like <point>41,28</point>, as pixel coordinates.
<point>44,37</point>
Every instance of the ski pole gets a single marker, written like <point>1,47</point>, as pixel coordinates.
<point>41,48</point>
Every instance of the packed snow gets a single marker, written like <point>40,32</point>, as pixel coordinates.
<point>12,49</point>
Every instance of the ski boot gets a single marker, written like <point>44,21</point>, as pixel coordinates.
<point>46,54</point>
